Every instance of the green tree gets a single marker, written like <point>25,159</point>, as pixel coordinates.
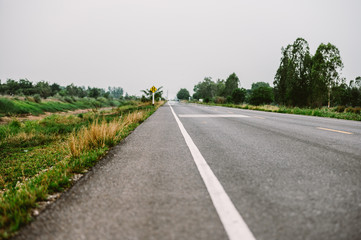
<point>43,89</point>
<point>261,93</point>
<point>326,67</point>
<point>183,94</point>
<point>292,79</point>
<point>55,88</point>
<point>116,92</point>
<point>220,86</point>
<point>238,95</point>
<point>94,92</point>
<point>205,89</point>
<point>231,84</point>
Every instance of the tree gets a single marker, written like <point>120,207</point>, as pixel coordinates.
<point>43,89</point>
<point>292,79</point>
<point>205,89</point>
<point>183,94</point>
<point>238,95</point>
<point>261,93</point>
<point>116,92</point>
<point>55,88</point>
<point>94,92</point>
<point>231,84</point>
<point>326,65</point>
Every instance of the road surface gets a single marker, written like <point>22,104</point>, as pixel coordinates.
<point>264,175</point>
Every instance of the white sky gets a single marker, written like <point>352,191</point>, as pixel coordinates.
<point>135,44</point>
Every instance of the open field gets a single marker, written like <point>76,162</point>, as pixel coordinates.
<point>43,157</point>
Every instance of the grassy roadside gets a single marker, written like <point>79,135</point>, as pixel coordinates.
<point>336,112</point>
<point>40,158</point>
<point>29,105</point>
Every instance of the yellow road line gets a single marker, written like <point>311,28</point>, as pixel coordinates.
<point>333,130</point>
<point>258,117</point>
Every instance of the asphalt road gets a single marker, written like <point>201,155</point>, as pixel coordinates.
<point>288,176</point>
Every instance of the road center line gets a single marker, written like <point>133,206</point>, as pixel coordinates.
<point>333,130</point>
<point>232,221</point>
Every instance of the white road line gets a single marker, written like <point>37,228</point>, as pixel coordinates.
<point>232,221</point>
<point>212,116</point>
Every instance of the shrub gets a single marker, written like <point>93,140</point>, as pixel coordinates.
<point>37,98</point>
<point>6,106</point>
<point>220,100</point>
<point>68,99</point>
<point>15,123</point>
<point>340,109</point>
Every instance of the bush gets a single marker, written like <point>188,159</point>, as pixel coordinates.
<point>15,123</point>
<point>6,106</point>
<point>340,109</point>
<point>220,100</point>
<point>30,99</point>
<point>37,98</point>
<point>68,99</point>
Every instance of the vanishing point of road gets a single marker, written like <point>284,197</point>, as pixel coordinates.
<point>199,172</point>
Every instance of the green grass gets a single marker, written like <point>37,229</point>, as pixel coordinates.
<point>14,107</point>
<point>347,114</point>
<point>35,159</point>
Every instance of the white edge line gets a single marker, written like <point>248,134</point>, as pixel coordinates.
<point>232,221</point>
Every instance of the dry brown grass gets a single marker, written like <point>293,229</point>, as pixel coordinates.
<point>101,134</point>
<point>20,137</point>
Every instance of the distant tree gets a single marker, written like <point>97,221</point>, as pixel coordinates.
<point>220,86</point>
<point>292,80</point>
<point>183,94</point>
<point>55,88</point>
<point>43,89</point>
<point>238,95</point>
<point>326,67</point>
<point>26,87</point>
<point>231,84</point>
<point>205,89</point>
<point>261,93</point>
<point>354,93</point>
<point>11,87</point>
<point>116,92</point>
<point>94,92</point>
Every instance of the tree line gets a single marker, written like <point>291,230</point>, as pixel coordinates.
<point>302,80</point>
<point>24,87</point>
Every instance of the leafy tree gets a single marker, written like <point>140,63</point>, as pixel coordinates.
<point>183,94</point>
<point>261,93</point>
<point>220,86</point>
<point>205,89</point>
<point>292,79</point>
<point>43,89</point>
<point>11,87</point>
<point>355,92</point>
<point>55,88</point>
<point>26,87</point>
<point>116,92</point>
<point>94,92</point>
<point>231,84</point>
<point>238,95</point>
<point>326,65</point>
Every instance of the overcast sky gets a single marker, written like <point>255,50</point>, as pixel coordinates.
<point>175,44</point>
